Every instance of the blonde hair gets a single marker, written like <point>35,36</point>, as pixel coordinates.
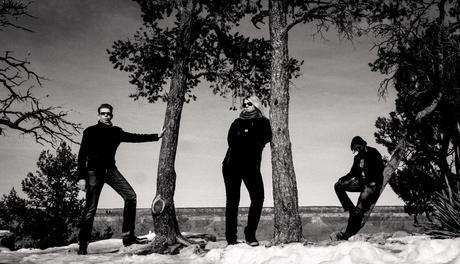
<point>256,102</point>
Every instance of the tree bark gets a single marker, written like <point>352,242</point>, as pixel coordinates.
<point>287,224</point>
<point>163,211</point>
<point>456,143</point>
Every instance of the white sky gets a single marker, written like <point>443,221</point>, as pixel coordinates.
<point>334,100</point>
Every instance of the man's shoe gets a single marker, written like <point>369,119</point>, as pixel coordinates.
<point>253,243</point>
<point>82,249</point>
<point>250,238</point>
<point>132,239</point>
<point>342,236</point>
<point>236,242</point>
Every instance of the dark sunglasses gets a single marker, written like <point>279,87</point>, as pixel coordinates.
<point>357,148</point>
<point>105,113</point>
<point>247,104</point>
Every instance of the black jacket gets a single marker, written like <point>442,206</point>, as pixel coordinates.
<point>367,166</point>
<point>99,145</point>
<point>246,140</point>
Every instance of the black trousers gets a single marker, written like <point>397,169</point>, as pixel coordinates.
<point>233,176</point>
<point>94,186</point>
<point>369,193</point>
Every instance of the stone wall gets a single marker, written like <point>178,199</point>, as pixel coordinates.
<point>318,221</point>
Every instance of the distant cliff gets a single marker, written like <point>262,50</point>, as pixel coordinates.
<point>318,221</point>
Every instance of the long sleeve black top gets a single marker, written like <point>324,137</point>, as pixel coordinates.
<point>367,166</point>
<point>99,145</point>
<point>246,140</point>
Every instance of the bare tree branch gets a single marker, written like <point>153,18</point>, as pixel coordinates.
<point>259,18</point>
<point>20,109</point>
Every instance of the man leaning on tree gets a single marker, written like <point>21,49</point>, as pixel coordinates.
<point>96,167</point>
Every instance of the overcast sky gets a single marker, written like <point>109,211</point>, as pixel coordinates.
<point>334,99</point>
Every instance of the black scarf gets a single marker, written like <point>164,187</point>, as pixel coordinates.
<point>108,124</point>
<point>250,115</point>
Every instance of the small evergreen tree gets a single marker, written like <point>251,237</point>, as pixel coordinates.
<point>12,212</point>
<point>52,210</point>
<point>419,176</point>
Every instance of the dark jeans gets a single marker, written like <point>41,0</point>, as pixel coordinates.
<point>252,178</point>
<point>369,193</point>
<point>94,185</point>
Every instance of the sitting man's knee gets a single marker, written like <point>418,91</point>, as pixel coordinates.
<point>338,186</point>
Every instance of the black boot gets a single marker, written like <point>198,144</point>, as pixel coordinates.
<point>252,242</point>
<point>82,248</point>
<point>251,238</point>
<point>342,236</point>
<point>130,239</point>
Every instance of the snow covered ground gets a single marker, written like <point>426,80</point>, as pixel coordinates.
<point>375,249</point>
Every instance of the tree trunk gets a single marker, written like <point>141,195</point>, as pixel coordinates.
<point>287,224</point>
<point>163,211</point>
<point>456,143</point>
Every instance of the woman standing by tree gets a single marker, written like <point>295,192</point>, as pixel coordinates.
<point>247,137</point>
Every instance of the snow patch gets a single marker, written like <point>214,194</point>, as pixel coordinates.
<point>373,249</point>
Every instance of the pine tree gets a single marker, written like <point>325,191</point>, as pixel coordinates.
<point>52,211</point>
<point>52,190</point>
<point>13,211</point>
